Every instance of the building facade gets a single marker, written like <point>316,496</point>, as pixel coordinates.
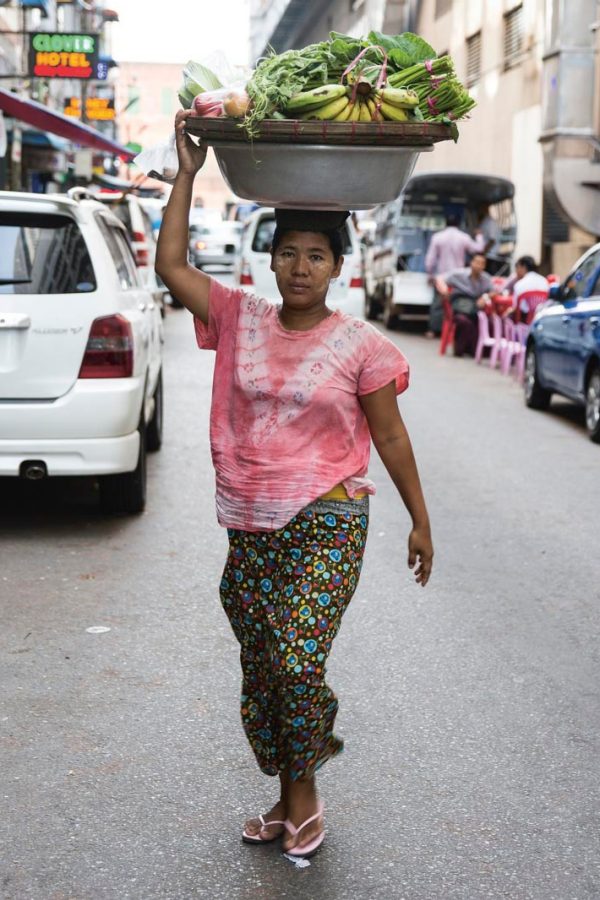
<point>36,160</point>
<point>532,66</point>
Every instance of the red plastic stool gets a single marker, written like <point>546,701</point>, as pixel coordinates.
<point>448,326</point>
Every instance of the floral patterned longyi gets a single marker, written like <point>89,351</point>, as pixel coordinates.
<point>285,593</point>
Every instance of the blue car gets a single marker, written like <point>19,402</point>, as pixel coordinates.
<point>563,347</point>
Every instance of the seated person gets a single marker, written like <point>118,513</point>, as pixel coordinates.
<point>526,279</point>
<point>469,292</point>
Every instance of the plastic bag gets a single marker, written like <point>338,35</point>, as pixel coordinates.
<point>160,161</point>
<point>231,101</point>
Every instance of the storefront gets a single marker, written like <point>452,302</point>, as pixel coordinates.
<point>33,165</point>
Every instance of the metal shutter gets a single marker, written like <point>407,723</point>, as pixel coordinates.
<point>473,58</point>
<point>513,36</point>
<point>555,226</point>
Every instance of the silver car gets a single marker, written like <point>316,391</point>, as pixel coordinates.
<point>214,243</point>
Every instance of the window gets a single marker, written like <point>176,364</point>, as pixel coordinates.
<point>263,236</point>
<point>133,100</point>
<point>43,254</point>
<point>581,281</point>
<point>442,7</point>
<point>120,252</point>
<point>167,101</point>
<point>594,282</point>
<point>513,37</point>
<point>473,59</point>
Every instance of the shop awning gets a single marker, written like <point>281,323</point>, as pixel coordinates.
<point>43,140</point>
<point>64,126</point>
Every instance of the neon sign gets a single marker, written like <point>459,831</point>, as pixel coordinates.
<point>55,55</point>
<point>96,108</point>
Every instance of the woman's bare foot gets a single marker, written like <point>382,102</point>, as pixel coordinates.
<point>253,827</point>
<point>302,804</point>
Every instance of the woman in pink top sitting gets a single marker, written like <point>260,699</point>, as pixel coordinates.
<point>299,391</point>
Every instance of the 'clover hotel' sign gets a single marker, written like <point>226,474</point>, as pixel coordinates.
<point>55,55</point>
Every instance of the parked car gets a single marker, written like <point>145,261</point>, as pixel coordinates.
<point>214,243</point>
<point>130,210</point>
<point>81,348</point>
<point>563,347</point>
<point>252,269</point>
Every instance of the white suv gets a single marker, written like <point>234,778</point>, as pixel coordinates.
<point>253,266</point>
<point>80,348</point>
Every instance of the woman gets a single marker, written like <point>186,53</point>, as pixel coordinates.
<point>298,392</point>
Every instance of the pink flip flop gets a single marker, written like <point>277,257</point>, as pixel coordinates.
<point>256,838</point>
<point>304,851</point>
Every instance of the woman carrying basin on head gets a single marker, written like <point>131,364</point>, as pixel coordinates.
<point>299,390</point>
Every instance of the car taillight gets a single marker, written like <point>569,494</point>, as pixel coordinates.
<point>109,350</point>
<point>245,274</point>
<point>141,253</point>
<point>356,281</point>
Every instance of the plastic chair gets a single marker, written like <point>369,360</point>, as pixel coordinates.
<point>512,348</point>
<point>533,300</point>
<point>448,326</point>
<point>522,333</point>
<point>484,338</point>
<point>498,340</point>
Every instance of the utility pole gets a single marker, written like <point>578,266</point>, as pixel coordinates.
<point>16,152</point>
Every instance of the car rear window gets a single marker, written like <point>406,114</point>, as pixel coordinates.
<point>263,237</point>
<point>43,254</point>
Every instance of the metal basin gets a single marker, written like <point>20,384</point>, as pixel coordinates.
<point>316,176</point>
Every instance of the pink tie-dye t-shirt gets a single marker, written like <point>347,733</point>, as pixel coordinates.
<point>286,424</point>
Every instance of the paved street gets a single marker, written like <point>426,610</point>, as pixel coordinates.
<point>470,709</point>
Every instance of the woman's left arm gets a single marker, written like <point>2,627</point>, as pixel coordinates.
<point>393,445</point>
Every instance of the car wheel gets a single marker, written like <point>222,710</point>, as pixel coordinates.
<point>126,492</point>
<point>592,406</point>
<point>536,396</point>
<point>372,308</point>
<point>154,429</point>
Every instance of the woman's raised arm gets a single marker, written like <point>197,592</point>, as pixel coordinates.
<point>188,284</point>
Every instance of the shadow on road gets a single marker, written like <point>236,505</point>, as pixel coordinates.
<point>67,503</point>
<point>570,413</point>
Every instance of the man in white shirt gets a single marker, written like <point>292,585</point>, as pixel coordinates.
<point>527,279</point>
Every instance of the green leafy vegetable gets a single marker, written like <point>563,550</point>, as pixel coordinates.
<point>196,80</point>
<point>403,49</point>
<point>278,77</point>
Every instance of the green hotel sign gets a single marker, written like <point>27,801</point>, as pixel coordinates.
<point>55,55</point>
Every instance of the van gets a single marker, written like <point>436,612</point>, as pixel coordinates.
<point>253,266</point>
<point>397,286</point>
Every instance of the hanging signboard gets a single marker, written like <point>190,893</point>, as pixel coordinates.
<point>55,55</point>
<point>98,109</point>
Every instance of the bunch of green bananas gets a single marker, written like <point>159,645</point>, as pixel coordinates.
<point>333,102</point>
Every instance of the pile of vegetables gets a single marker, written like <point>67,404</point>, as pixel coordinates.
<point>345,79</point>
